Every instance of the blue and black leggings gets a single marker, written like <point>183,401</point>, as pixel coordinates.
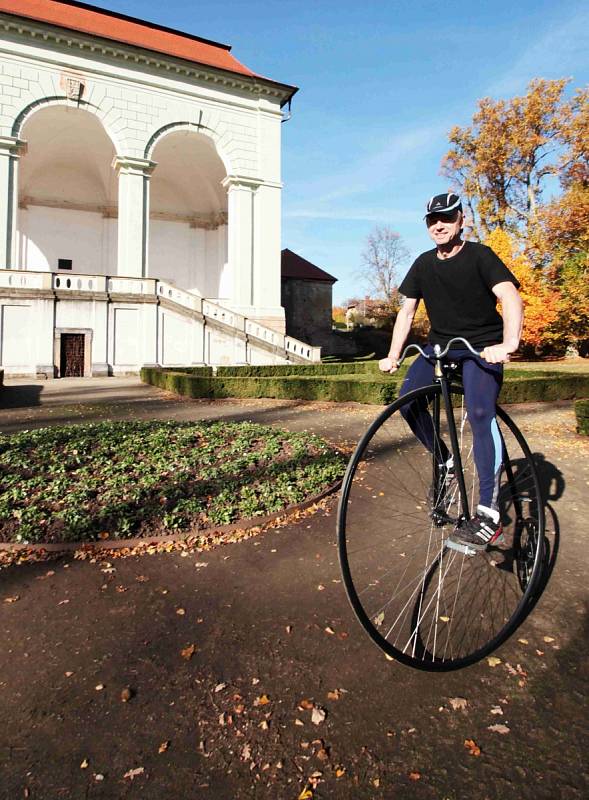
<point>482,382</point>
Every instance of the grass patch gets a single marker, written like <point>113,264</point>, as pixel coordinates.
<point>139,479</point>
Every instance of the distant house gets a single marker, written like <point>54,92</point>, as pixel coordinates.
<point>307,299</point>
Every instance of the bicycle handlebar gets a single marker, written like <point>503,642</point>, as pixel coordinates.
<point>438,352</point>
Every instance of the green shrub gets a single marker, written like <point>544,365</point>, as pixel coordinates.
<point>582,414</point>
<point>520,386</point>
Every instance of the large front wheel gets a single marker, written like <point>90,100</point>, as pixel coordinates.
<point>424,602</point>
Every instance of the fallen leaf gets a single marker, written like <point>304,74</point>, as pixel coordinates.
<point>321,587</point>
<point>84,764</point>
<point>458,703</point>
<point>306,794</point>
<point>188,652</point>
<point>493,661</point>
<point>548,639</point>
<point>246,752</point>
<point>318,716</point>
<point>12,599</point>
<point>444,619</point>
<point>339,771</point>
<point>103,534</point>
<point>414,776</point>
<point>330,631</point>
<point>472,747</point>
<point>180,612</point>
<point>335,695</point>
<point>322,754</point>
<point>126,694</point>
<point>263,725</point>
<point>163,747</point>
<point>307,704</point>
<point>99,687</point>
<point>68,674</point>
<point>499,729</point>
<point>496,710</point>
<point>219,687</point>
<point>98,776</point>
<point>523,641</point>
<point>262,701</point>
<point>299,722</point>
<point>133,773</point>
<point>379,619</point>
<point>255,681</point>
<point>289,628</point>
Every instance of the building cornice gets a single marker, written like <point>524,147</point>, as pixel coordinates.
<point>91,46</point>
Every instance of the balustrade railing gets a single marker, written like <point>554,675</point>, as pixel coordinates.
<point>24,279</point>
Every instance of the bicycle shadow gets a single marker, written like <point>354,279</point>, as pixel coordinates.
<point>552,487</point>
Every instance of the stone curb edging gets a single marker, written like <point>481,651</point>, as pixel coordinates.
<point>119,544</point>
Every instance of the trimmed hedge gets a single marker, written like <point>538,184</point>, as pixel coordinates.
<point>369,387</point>
<point>582,414</point>
<point>339,388</point>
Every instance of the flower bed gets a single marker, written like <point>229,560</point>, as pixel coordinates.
<point>139,479</point>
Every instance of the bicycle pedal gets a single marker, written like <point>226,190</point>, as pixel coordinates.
<point>461,548</point>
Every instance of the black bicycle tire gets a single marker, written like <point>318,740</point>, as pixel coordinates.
<point>521,610</point>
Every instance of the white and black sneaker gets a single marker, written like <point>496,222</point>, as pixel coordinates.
<point>479,532</point>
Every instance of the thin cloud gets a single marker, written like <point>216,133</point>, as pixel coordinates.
<point>371,172</point>
<point>355,214</point>
<point>560,52</point>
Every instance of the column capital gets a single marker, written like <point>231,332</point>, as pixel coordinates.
<point>11,146</point>
<point>247,182</point>
<point>133,166</point>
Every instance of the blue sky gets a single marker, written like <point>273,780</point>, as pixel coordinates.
<point>381,84</point>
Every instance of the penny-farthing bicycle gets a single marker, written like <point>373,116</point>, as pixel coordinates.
<point>425,600</point>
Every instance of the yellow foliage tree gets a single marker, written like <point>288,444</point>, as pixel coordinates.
<point>542,303</point>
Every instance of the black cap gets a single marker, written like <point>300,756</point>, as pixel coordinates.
<point>444,204</point>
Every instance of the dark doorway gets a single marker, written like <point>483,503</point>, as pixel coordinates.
<point>72,355</point>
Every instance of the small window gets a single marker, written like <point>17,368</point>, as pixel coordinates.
<point>64,263</point>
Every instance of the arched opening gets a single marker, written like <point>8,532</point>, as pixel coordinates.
<point>188,215</point>
<point>67,194</point>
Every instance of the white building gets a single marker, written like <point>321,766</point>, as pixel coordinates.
<point>139,197</point>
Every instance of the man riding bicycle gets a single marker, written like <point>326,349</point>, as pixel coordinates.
<point>460,283</point>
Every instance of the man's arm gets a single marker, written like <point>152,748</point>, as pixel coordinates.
<point>513,320</point>
<point>400,333</point>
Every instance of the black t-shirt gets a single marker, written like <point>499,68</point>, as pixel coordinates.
<point>458,295</point>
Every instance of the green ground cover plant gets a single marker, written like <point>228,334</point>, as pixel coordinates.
<point>117,480</point>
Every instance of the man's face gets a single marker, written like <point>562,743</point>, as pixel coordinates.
<point>443,228</point>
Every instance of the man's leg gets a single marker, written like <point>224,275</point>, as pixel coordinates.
<point>416,414</point>
<point>482,383</point>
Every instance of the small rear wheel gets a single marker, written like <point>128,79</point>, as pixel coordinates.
<point>423,602</point>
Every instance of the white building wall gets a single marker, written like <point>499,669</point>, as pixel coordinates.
<point>45,235</point>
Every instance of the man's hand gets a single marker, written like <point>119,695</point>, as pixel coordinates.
<point>497,353</point>
<point>388,364</point>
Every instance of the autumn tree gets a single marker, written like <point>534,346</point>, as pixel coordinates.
<point>501,162</point>
<point>383,256</point>
<point>542,302</point>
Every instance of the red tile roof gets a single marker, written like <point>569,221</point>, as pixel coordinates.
<point>294,266</point>
<point>120,28</point>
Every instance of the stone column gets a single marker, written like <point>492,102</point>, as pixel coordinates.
<point>241,242</point>
<point>133,222</point>
<point>10,149</point>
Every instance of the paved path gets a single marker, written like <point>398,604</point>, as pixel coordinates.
<point>268,619</point>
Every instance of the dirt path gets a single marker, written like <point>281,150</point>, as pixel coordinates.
<point>271,627</point>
